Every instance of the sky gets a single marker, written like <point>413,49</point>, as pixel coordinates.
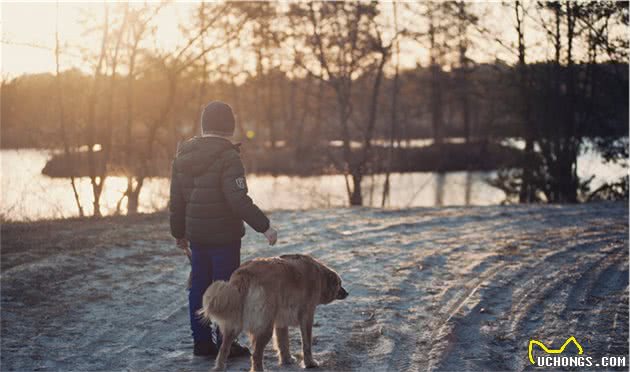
<point>28,34</point>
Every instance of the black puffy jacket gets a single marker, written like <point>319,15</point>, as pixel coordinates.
<point>209,200</point>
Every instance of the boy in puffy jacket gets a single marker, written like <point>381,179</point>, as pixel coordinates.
<point>208,204</point>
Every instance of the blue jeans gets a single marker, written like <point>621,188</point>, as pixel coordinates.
<point>209,264</point>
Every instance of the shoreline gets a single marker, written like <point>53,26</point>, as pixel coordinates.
<point>163,214</point>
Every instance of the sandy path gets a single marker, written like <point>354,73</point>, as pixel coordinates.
<point>437,289</point>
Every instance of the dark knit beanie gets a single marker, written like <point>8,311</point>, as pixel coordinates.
<point>217,118</point>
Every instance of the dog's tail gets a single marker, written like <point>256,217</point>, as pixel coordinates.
<point>221,300</point>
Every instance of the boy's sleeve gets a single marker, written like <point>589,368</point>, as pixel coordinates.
<point>177,207</point>
<point>235,192</point>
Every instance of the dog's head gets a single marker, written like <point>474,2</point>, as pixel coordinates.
<point>331,287</point>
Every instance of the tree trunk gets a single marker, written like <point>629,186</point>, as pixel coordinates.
<point>463,69</point>
<point>527,190</point>
<point>133,195</point>
<point>356,199</point>
<point>93,165</point>
<point>62,119</point>
<point>394,114</point>
<point>437,120</point>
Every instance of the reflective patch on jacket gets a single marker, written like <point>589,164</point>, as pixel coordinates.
<point>240,183</point>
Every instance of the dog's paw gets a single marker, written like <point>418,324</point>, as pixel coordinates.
<point>309,364</point>
<point>288,361</point>
<point>218,368</point>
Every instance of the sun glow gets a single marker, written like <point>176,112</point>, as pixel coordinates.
<point>28,33</point>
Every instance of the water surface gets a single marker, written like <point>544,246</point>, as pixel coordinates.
<point>28,195</point>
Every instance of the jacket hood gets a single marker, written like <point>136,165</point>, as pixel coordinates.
<point>197,154</point>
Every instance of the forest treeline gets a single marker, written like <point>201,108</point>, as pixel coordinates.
<point>327,91</point>
<point>277,110</point>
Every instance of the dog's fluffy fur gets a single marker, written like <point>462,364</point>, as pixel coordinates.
<point>265,296</point>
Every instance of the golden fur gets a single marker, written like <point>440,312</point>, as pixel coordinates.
<point>265,296</point>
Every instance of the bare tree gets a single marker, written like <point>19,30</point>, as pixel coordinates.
<point>139,27</point>
<point>172,65</point>
<point>393,131</point>
<point>464,20</point>
<point>61,112</point>
<point>91,124</point>
<point>437,75</point>
<point>346,43</point>
<point>98,160</point>
<point>527,190</point>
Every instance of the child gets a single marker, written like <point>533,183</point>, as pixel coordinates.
<point>208,204</point>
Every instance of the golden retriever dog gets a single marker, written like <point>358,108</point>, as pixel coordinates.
<point>266,296</point>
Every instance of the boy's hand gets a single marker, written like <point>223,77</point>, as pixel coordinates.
<point>183,245</point>
<point>272,235</point>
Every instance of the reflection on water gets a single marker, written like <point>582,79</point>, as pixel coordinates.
<point>27,194</point>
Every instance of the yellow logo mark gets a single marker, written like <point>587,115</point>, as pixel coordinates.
<point>553,351</point>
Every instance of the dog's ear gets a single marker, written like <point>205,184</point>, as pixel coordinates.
<point>330,287</point>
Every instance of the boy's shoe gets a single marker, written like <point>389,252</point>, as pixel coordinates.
<point>205,348</point>
<point>238,350</point>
